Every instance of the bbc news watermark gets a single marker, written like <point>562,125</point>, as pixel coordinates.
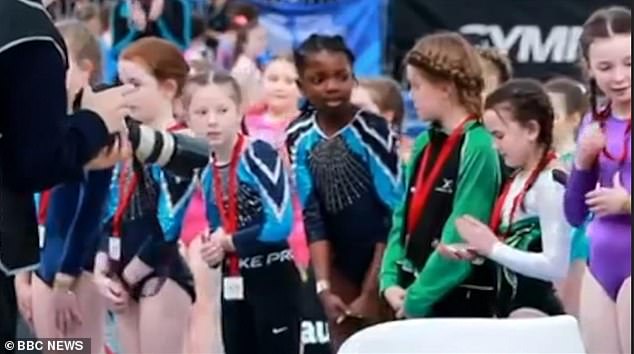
<point>73,345</point>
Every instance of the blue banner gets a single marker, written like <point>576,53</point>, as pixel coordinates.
<point>360,22</point>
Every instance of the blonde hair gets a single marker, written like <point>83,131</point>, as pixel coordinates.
<point>82,45</point>
<point>448,57</point>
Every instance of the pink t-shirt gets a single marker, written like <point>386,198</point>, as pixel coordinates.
<point>261,126</point>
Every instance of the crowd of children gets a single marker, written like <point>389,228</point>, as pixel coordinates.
<point>315,218</point>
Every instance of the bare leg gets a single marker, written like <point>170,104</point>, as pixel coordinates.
<point>624,315</point>
<point>164,319</point>
<point>91,306</point>
<point>128,328</point>
<point>569,290</point>
<point>205,316</point>
<point>597,317</point>
<point>93,309</point>
<point>526,312</point>
<point>43,310</point>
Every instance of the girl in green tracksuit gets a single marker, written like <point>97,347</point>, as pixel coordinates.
<point>453,171</point>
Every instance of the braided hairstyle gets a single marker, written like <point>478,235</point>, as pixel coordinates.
<point>317,43</point>
<point>603,23</point>
<point>448,57</point>
<point>499,60</point>
<point>527,101</point>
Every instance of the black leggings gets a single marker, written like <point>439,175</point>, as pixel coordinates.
<point>268,320</point>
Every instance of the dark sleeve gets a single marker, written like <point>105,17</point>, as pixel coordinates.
<point>84,232</point>
<point>42,144</point>
<point>175,23</point>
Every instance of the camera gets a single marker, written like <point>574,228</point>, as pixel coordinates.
<point>177,153</point>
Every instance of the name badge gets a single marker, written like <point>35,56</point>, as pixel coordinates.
<point>41,230</point>
<point>233,288</point>
<point>114,248</point>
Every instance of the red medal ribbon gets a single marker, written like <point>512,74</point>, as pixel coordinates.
<point>496,217</point>
<point>229,214</point>
<point>425,183</point>
<point>45,199</point>
<point>126,191</point>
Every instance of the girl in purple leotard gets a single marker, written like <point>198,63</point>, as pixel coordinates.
<point>601,183</point>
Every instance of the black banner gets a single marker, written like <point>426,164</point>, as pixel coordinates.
<point>541,36</point>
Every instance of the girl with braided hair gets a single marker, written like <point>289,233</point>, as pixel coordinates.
<point>496,69</point>
<point>603,158</point>
<point>453,171</point>
<point>528,236</point>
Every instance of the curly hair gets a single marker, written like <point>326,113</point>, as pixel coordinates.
<point>448,57</point>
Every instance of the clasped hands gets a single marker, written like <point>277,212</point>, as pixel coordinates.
<point>215,245</point>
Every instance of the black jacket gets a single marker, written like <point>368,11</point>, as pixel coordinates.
<point>40,145</point>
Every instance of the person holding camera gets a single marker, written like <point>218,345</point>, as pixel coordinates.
<point>40,144</point>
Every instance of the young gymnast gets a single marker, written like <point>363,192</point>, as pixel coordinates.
<point>206,316</point>
<point>249,210</point>
<point>600,182</point>
<point>528,236</point>
<point>348,175</point>
<point>454,170</point>
<point>570,101</point>
<point>139,269</point>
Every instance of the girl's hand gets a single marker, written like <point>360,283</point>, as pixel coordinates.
<point>395,297</point>
<point>609,201</point>
<point>114,292</point>
<point>457,251</point>
<point>67,313</point>
<point>335,308</point>
<point>591,143</point>
<point>478,236</point>
<point>225,240</point>
<point>211,251</point>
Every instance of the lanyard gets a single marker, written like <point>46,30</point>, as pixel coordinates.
<point>424,183</point>
<point>126,191</point>
<point>229,214</point>
<point>496,217</point>
<point>603,116</point>
<point>45,199</point>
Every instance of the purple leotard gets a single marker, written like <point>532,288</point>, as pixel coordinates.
<point>610,236</point>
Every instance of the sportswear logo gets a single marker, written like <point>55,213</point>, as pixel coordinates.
<point>280,330</point>
<point>447,186</point>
